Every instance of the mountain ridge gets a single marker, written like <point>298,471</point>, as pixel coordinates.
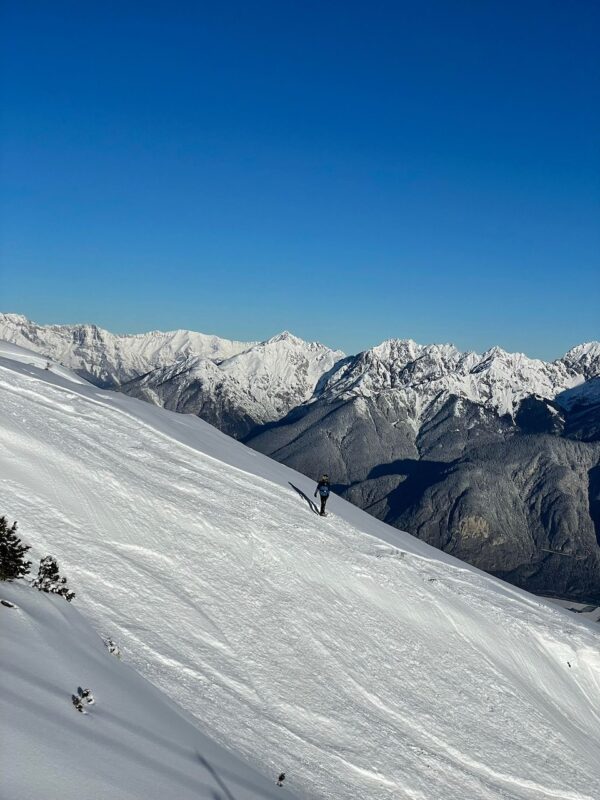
<point>496,378</point>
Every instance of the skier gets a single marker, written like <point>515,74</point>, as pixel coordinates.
<point>281,779</point>
<point>323,489</point>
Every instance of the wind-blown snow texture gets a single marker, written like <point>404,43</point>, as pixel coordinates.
<point>358,659</point>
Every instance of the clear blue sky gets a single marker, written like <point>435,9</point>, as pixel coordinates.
<point>348,171</point>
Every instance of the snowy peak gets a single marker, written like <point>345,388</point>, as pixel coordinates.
<point>584,359</point>
<point>260,385</point>
<point>281,372</point>
<point>285,336</point>
<point>421,375</point>
<point>400,350</point>
<point>504,379</point>
<point>14,319</point>
<point>389,364</point>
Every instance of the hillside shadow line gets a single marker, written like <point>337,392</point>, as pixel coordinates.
<point>186,752</point>
<point>210,769</point>
<point>139,759</point>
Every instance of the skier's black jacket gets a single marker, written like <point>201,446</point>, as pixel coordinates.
<point>323,487</point>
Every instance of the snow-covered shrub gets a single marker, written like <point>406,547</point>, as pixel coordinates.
<point>49,580</point>
<point>12,553</point>
<point>113,648</point>
<point>82,696</point>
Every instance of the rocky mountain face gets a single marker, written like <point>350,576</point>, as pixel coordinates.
<point>423,377</point>
<point>257,386</point>
<point>519,509</point>
<point>494,458</point>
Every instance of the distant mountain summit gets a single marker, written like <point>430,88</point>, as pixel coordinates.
<point>256,386</point>
<point>423,376</point>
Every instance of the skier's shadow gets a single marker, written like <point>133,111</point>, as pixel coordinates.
<point>311,505</point>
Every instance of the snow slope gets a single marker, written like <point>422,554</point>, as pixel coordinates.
<point>356,658</point>
<point>25,356</point>
<point>589,612</point>
<point>132,744</point>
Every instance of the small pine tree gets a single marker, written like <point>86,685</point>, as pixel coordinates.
<point>12,553</point>
<point>49,580</point>
<point>113,648</point>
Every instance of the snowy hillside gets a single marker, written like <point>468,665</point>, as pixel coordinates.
<point>362,662</point>
<point>133,743</point>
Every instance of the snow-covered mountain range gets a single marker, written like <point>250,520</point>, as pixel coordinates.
<point>355,658</point>
<point>108,359</point>
<point>184,370</point>
<point>257,386</point>
<point>423,377</point>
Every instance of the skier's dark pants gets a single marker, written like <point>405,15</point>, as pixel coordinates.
<point>323,502</point>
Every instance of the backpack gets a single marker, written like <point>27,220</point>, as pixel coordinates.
<point>324,490</point>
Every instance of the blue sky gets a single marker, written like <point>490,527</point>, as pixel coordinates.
<point>348,171</point>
